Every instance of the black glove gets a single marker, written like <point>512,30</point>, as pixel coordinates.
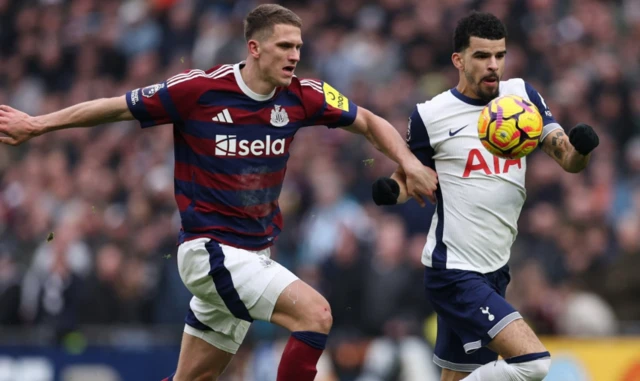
<point>583,138</point>
<point>385,191</point>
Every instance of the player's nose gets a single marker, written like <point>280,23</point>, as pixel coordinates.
<point>493,64</point>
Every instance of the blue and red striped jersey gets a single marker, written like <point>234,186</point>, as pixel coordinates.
<point>232,146</point>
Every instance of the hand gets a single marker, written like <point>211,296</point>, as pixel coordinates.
<point>583,138</point>
<point>15,126</point>
<point>421,181</point>
<point>385,191</point>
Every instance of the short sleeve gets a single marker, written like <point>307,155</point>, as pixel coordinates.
<point>418,139</point>
<point>326,106</point>
<point>170,101</point>
<point>548,120</point>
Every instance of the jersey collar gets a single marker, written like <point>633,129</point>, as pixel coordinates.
<point>466,99</point>
<point>245,89</point>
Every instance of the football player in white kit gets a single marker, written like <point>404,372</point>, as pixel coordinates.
<point>479,200</point>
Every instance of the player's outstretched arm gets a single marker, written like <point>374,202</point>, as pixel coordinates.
<point>17,127</point>
<point>574,151</point>
<point>421,181</point>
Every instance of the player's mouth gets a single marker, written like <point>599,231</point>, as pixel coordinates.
<point>491,80</point>
<point>288,70</point>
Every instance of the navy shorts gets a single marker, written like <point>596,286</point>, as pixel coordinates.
<point>471,310</point>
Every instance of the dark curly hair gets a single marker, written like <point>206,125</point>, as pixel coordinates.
<point>477,24</point>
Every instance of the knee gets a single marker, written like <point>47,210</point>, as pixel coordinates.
<point>539,369</point>
<point>316,317</point>
<point>535,370</point>
<point>321,318</point>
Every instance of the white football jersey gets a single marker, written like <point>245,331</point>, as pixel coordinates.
<point>480,196</point>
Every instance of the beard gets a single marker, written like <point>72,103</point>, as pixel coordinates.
<point>484,94</point>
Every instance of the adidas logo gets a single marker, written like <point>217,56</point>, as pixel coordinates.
<point>223,117</point>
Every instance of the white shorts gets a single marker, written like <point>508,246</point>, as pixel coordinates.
<point>231,287</point>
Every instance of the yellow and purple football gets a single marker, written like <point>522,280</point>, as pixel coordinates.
<point>510,127</point>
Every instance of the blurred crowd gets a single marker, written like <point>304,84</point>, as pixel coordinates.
<point>88,223</point>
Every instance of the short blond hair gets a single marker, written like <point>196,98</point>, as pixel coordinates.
<point>263,18</point>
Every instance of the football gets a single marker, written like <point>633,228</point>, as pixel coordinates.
<point>510,127</point>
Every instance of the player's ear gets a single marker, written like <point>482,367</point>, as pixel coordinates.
<point>254,48</point>
<point>457,60</point>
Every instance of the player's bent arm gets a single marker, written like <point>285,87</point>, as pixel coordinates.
<point>383,136</point>
<point>558,147</point>
<point>19,127</point>
<point>390,190</point>
<point>401,179</point>
<point>420,180</point>
<point>572,153</point>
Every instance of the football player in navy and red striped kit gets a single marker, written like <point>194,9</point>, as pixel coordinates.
<point>233,126</point>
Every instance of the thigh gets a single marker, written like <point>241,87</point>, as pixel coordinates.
<point>230,279</point>
<point>280,286</point>
<point>217,314</point>
<point>516,339</point>
<point>471,311</point>
<point>199,360</point>
<point>226,277</point>
<point>297,305</point>
<point>452,375</point>
<point>449,353</point>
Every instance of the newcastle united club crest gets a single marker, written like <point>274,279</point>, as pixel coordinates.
<point>279,117</point>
